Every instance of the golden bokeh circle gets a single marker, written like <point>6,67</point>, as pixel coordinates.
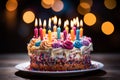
<point>11,5</point>
<point>110,4</point>
<point>82,9</point>
<point>89,19</point>
<point>107,28</point>
<point>28,17</point>
<point>89,2</point>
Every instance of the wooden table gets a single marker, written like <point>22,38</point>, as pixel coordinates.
<point>111,70</point>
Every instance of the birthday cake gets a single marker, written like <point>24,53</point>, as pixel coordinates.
<point>59,51</point>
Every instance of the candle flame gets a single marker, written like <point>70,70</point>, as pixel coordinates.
<point>44,23</point>
<point>81,23</point>
<point>74,21</point>
<point>49,23</point>
<point>59,22</point>
<point>78,24</point>
<point>67,22</point>
<point>77,19</point>
<point>55,20</point>
<point>40,22</point>
<point>71,23</point>
<point>64,24</point>
<point>36,22</point>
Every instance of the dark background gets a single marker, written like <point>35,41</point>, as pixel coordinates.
<point>14,38</point>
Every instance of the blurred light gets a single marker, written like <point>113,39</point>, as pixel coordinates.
<point>83,10</point>
<point>89,2</point>
<point>90,19</point>
<point>85,5</point>
<point>11,5</point>
<point>107,28</point>
<point>45,6</point>
<point>28,17</point>
<point>47,3</point>
<point>57,6</point>
<point>110,4</point>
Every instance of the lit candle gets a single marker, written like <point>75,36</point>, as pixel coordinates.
<point>72,31</point>
<point>44,30</point>
<point>74,28</point>
<point>49,31</point>
<point>66,26</point>
<point>36,29</point>
<point>77,31</point>
<point>81,28</point>
<point>59,29</point>
<point>65,34</point>
<point>55,22</point>
<point>40,29</point>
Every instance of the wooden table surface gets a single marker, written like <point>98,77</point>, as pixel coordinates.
<point>111,70</point>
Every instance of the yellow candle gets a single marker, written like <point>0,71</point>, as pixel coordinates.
<point>44,30</point>
<point>81,32</point>
<point>72,32</point>
<point>81,29</point>
<point>49,31</point>
<point>49,35</point>
<point>55,22</point>
<point>66,26</point>
<point>54,28</point>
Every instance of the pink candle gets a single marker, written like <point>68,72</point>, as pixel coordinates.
<point>41,33</point>
<point>40,30</point>
<point>36,32</point>
<point>36,29</point>
<point>74,28</point>
<point>65,34</point>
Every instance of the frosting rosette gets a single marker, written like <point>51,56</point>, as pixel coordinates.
<point>85,43</point>
<point>67,45</point>
<point>56,45</point>
<point>45,45</point>
<point>77,44</point>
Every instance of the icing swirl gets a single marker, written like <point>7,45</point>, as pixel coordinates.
<point>67,44</point>
<point>85,43</point>
<point>45,45</point>
<point>56,45</point>
<point>77,44</point>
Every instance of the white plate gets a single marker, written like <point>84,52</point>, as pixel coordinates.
<point>23,67</point>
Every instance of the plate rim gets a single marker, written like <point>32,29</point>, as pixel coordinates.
<point>57,72</point>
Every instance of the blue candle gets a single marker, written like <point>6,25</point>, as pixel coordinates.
<point>77,34</point>
<point>58,32</point>
<point>59,29</point>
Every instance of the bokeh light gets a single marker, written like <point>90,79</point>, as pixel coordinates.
<point>83,9</point>
<point>57,6</point>
<point>107,28</point>
<point>28,17</point>
<point>47,3</point>
<point>110,4</point>
<point>11,5</point>
<point>85,5</point>
<point>89,2</point>
<point>90,19</point>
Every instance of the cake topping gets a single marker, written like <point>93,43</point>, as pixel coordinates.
<point>67,44</point>
<point>45,45</point>
<point>85,43</point>
<point>37,44</point>
<point>77,44</point>
<point>56,45</point>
